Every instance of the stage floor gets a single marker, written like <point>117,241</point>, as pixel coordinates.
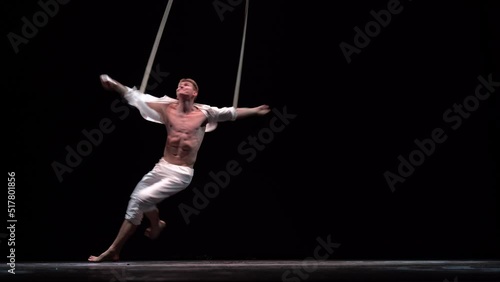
<point>257,270</point>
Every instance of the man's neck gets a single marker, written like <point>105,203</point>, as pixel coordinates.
<point>185,106</point>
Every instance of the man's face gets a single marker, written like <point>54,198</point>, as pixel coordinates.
<point>186,88</point>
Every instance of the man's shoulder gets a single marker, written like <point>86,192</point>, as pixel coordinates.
<point>162,100</point>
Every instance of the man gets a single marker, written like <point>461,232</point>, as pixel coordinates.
<point>186,123</point>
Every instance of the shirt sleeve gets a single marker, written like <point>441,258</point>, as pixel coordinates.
<point>139,100</point>
<point>216,115</point>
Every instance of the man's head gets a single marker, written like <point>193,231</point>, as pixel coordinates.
<point>190,80</point>
<point>187,87</point>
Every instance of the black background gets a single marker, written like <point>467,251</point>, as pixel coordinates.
<point>321,176</point>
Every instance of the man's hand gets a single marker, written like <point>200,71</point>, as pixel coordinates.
<point>107,82</point>
<point>262,110</point>
<point>110,84</point>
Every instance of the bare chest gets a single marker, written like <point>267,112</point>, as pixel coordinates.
<point>187,123</point>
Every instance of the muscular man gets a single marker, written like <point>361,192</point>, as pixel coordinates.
<point>186,123</point>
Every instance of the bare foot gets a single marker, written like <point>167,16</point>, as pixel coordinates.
<point>154,231</point>
<point>108,255</point>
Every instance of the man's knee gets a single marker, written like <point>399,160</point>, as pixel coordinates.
<point>134,213</point>
<point>150,209</point>
<point>136,221</point>
<point>134,217</point>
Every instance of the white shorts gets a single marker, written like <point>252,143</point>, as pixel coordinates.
<point>163,181</point>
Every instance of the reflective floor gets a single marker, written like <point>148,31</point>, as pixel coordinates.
<point>256,270</point>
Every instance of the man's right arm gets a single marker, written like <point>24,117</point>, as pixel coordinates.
<point>145,103</point>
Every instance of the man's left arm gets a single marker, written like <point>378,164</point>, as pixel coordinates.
<point>255,111</point>
<point>216,115</point>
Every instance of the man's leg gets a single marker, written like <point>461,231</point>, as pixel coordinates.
<point>157,224</point>
<point>113,252</point>
<point>171,180</point>
<point>133,218</point>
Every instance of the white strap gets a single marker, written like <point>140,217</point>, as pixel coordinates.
<point>157,42</point>
<point>238,77</point>
<point>155,47</point>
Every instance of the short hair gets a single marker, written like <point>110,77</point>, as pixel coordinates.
<point>195,85</point>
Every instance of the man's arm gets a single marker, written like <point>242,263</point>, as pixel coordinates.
<point>146,103</point>
<point>216,115</point>
<point>255,111</point>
